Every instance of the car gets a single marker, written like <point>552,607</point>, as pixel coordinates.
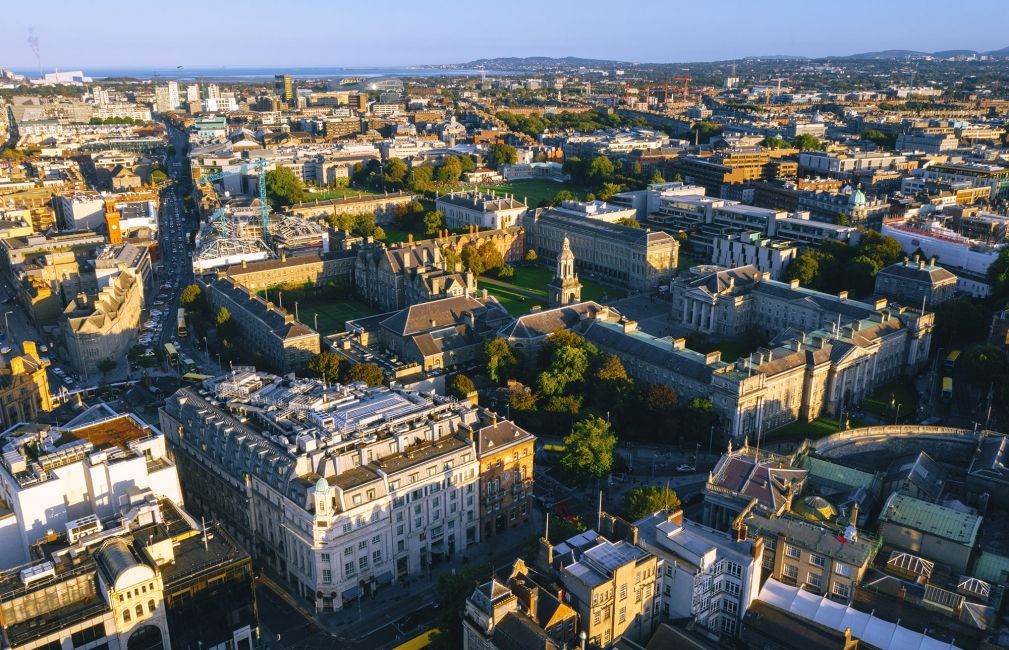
<point>5,349</point>
<point>58,371</point>
<point>43,349</point>
<point>686,469</point>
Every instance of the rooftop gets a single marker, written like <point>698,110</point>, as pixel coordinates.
<point>932,518</point>
<point>818,538</point>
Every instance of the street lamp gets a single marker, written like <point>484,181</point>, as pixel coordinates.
<point>6,326</point>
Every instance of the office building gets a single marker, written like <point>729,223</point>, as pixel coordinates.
<point>770,256</point>
<point>106,325</point>
<point>283,89</point>
<point>506,454</point>
<point>931,530</point>
<point>343,490</point>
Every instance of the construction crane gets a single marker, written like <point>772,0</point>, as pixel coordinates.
<point>264,209</point>
<point>686,84</point>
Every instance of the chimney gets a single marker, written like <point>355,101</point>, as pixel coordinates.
<point>794,283</point>
<point>675,517</point>
<point>245,264</point>
<point>432,322</point>
<point>854,514</point>
<point>680,344</point>
<point>843,295</point>
<point>630,326</point>
<point>283,256</point>
<point>29,349</point>
<point>921,264</point>
<point>534,595</point>
<point>409,238</point>
<point>931,261</point>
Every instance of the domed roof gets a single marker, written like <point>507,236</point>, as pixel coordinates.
<point>322,486</point>
<point>857,199</point>
<point>816,508</point>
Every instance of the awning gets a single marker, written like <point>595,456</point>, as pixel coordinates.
<point>352,593</point>
<point>385,578</point>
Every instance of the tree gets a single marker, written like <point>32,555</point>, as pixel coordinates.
<point>158,176</point>
<point>589,449</point>
<point>453,590</point>
<point>107,365</point>
<point>223,317</point>
<point>657,177</point>
<point>630,222</point>
<point>842,219</point>
<point>660,399</point>
<point>472,259</point>
<point>805,268</point>
<point>568,365</point>
<point>325,365</point>
<point>648,499</point>
<point>492,257</point>
<point>369,373</point>
<point>461,386</point>
<point>394,171</point>
<point>501,154</point>
<point>775,142</point>
<point>984,365</point>
<point>420,178</point>
<point>521,398</point>
<point>531,255</point>
<point>807,142</point>
<point>433,222</point>
<point>998,274</point>
<point>449,171</point>
<point>506,272</point>
<point>467,164</point>
<point>607,191</point>
<point>562,196</point>
<point>499,359</point>
<point>961,321</point>
<point>283,187</point>
<point>705,130</point>
<point>190,295</point>
<point>600,169</point>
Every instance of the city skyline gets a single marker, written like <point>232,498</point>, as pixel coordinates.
<point>497,31</point>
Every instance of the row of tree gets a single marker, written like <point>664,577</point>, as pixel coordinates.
<point>535,125</point>
<point>835,266</point>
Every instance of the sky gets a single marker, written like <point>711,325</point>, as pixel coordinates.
<point>351,33</point>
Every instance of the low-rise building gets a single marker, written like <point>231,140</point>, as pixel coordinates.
<point>267,330</point>
<point>506,454</point>
<point>914,282</point>
<point>931,530</point>
<point>315,270</point>
<point>484,210</point>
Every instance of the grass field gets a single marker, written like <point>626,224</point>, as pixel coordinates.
<point>333,313</point>
<point>336,193</point>
<point>902,392</point>
<point>516,304</point>
<point>535,191</point>
<point>819,428</point>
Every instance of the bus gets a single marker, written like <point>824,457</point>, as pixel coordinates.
<point>947,388</point>
<point>951,358</point>
<point>180,322</point>
<point>187,365</point>
<point>418,642</point>
<point>171,354</point>
<point>195,377</point>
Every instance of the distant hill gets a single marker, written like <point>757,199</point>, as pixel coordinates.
<point>540,61</point>
<point>777,57</point>
<point>903,54</point>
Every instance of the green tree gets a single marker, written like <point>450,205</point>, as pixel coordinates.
<point>433,222</point>
<point>467,164</point>
<point>472,259</point>
<point>984,365</point>
<point>705,130</point>
<point>107,365</point>
<point>607,191</point>
<point>461,386</point>
<point>492,257</point>
<point>158,177</point>
<point>394,172</point>
<point>600,169</point>
<point>501,154</point>
<point>648,499</point>
<point>521,398</point>
<point>283,187</point>
<point>807,142</point>
<point>589,449</point>
<point>449,171</point>
<point>775,142</point>
<point>190,295</point>
<point>453,590</point>
<point>562,196</point>
<point>805,268</point>
<point>657,177</point>
<point>369,373</point>
<point>499,359</point>
<point>223,317</point>
<point>842,219</point>
<point>998,274</point>
<point>325,365</point>
<point>420,178</point>
<point>960,321</point>
<point>630,222</point>
<point>531,255</point>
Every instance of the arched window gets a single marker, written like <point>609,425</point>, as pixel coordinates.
<point>150,606</point>
<point>140,610</point>
<point>126,616</point>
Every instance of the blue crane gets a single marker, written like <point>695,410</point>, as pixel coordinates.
<point>264,209</point>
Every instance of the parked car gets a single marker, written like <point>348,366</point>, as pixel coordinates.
<point>686,469</point>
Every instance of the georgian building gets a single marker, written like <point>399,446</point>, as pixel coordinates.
<point>913,281</point>
<point>506,477</point>
<point>24,387</point>
<point>341,490</point>
<point>484,210</point>
<point>395,278</point>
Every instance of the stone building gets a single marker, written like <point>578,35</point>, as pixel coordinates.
<point>912,281</point>
<point>506,454</point>
<point>565,288</point>
<point>344,491</point>
<point>265,329</point>
<point>395,278</point>
<point>484,210</point>
<point>105,326</point>
<point>24,387</point>
<point>635,259</point>
<point>302,269</point>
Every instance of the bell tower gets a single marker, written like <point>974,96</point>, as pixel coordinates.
<point>565,287</point>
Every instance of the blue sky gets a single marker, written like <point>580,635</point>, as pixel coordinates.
<point>121,33</point>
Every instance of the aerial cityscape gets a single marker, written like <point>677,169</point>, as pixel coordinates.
<point>519,327</point>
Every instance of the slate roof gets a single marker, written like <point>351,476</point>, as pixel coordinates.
<point>910,271</point>
<point>649,349</point>
<point>543,323</point>
<point>740,473</point>
<point>447,311</point>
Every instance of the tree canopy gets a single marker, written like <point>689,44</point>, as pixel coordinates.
<point>499,359</point>
<point>283,187</point>
<point>648,499</point>
<point>461,386</point>
<point>807,142</point>
<point>190,295</point>
<point>369,373</point>
<point>589,449</point>
<point>501,154</point>
<point>325,365</point>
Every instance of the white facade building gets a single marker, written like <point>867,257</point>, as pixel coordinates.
<point>768,255</point>
<point>484,210</point>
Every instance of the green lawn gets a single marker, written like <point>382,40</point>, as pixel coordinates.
<point>336,193</point>
<point>732,350</point>
<point>516,304</point>
<point>819,428</point>
<point>901,392</point>
<point>685,261</point>
<point>534,191</point>
<point>333,312</point>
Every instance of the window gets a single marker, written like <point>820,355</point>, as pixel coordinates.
<point>814,580</point>
<point>842,589</point>
<point>623,592</point>
<point>376,539</point>
<point>357,499</point>
<point>596,616</point>
<point>842,570</point>
<point>126,616</point>
<point>88,635</point>
<point>371,495</point>
<point>150,606</point>
<point>790,571</point>
<point>140,610</point>
<point>400,546</point>
<point>399,529</point>
<point>817,560</point>
<point>622,616</point>
<point>325,558</point>
<point>362,545</point>
<point>376,557</point>
<point>348,551</point>
<point>792,551</point>
<point>349,568</point>
<point>362,562</point>
<point>347,527</point>
<point>394,486</point>
<point>327,576</point>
